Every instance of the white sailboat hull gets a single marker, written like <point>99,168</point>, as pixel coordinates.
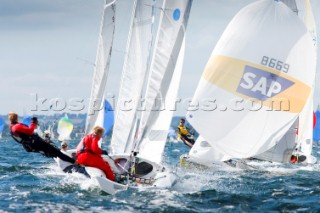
<point>147,173</point>
<point>104,183</point>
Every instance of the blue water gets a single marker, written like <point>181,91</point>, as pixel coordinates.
<point>31,183</point>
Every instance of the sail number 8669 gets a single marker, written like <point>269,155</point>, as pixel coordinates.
<point>275,64</point>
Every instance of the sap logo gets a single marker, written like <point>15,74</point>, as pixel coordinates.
<point>260,84</point>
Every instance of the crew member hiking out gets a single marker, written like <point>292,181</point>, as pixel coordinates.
<point>89,152</point>
<point>31,141</point>
<point>184,134</point>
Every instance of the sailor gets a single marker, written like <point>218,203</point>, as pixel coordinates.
<point>31,141</point>
<point>296,157</point>
<point>68,167</point>
<point>47,137</point>
<point>184,134</point>
<point>89,152</point>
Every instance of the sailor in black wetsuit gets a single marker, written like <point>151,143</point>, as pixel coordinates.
<point>33,142</point>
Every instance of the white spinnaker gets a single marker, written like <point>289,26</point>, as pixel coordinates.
<point>265,46</point>
<point>133,74</point>
<point>173,21</point>
<point>305,130</point>
<point>284,148</point>
<point>101,68</point>
<point>153,144</point>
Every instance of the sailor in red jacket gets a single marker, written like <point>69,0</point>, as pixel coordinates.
<point>89,152</point>
<point>32,142</point>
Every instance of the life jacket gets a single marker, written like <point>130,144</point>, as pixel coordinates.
<point>294,159</point>
<point>183,130</point>
<point>22,138</point>
<point>19,137</point>
<point>85,144</point>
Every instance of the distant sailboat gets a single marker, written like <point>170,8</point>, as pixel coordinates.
<point>1,126</point>
<point>265,57</point>
<point>64,129</point>
<point>316,130</point>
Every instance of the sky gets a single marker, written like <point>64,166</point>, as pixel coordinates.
<point>47,49</point>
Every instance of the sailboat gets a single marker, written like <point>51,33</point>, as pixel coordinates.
<point>262,69</point>
<point>64,129</point>
<point>299,140</point>
<point>139,137</point>
<point>316,130</point>
<point>1,126</point>
<point>306,117</point>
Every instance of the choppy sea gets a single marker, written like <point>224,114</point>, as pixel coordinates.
<point>30,182</point>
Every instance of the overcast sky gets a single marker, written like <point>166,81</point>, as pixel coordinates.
<point>48,47</point>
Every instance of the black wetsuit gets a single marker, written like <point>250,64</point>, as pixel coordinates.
<point>34,143</point>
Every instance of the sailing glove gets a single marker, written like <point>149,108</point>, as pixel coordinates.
<point>104,152</point>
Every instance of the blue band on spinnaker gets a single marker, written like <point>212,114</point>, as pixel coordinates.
<point>26,120</point>
<point>1,125</point>
<point>108,118</point>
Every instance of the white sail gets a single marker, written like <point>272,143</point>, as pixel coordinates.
<point>266,56</point>
<point>283,149</point>
<point>153,144</point>
<point>305,130</point>
<point>292,4</point>
<point>134,72</point>
<point>170,36</point>
<point>101,68</point>
<point>309,21</point>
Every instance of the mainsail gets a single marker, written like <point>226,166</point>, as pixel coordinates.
<point>305,134</point>
<point>265,58</point>
<point>153,143</point>
<point>133,75</point>
<point>164,78</point>
<point>101,67</point>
